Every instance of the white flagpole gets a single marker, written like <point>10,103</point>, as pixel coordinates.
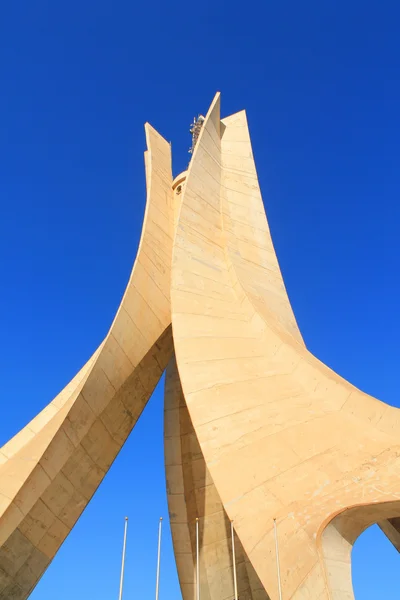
<point>121,581</point>
<point>234,562</point>
<point>277,560</point>
<point>158,558</point>
<point>197,562</point>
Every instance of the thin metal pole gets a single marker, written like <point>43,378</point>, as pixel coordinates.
<point>158,557</point>
<point>121,581</point>
<point>277,560</point>
<point>234,562</point>
<point>197,562</point>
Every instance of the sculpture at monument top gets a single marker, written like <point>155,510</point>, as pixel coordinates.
<point>256,427</point>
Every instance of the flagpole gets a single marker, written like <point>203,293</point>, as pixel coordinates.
<point>234,562</point>
<point>121,581</point>
<point>158,558</point>
<point>197,562</point>
<point>277,560</point>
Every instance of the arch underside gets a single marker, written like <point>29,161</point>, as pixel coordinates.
<point>282,435</point>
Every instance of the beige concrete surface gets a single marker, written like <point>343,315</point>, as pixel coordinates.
<point>282,435</point>
<point>50,470</point>
<point>192,494</point>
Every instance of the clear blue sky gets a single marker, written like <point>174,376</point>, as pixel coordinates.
<point>320,83</point>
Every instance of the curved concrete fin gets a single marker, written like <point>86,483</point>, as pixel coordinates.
<point>51,469</point>
<point>192,494</point>
<point>282,435</point>
<point>248,239</point>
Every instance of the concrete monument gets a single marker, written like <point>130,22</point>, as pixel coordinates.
<point>257,429</point>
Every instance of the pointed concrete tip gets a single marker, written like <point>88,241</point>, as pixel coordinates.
<point>148,127</point>
<point>216,98</point>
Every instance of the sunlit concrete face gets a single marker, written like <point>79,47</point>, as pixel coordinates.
<point>256,427</point>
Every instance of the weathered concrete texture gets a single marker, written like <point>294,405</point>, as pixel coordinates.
<point>192,494</point>
<point>50,470</point>
<point>282,435</point>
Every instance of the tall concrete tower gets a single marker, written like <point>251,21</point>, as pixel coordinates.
<point>258,431</point>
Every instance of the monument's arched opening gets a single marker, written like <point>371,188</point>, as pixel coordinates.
<point>375,566</point>
<point>339,539</point>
